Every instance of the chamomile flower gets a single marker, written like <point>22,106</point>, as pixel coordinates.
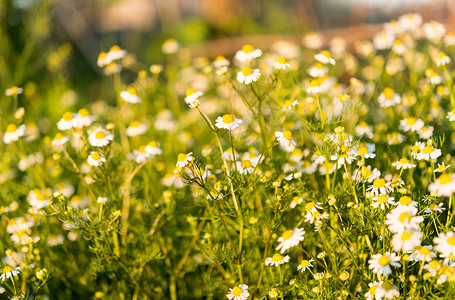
<point>37,199</point>
<point>315,216</point>
<point>388,98</point>
<point>100,137</point>
<point>296,200</point>
<point>153,148</point>
<point>289,105</point>
<point>13,91</point>
<point>276,260</point>
<point>445,243</point>
<point>227,122</point>
<point>305,265</point>
<point>245,166</point>
<point>184,159</point>
<point>366,150</point>
<point>192,98</point>
<point>238,292</point>
<point>286,140</point>
<point>96,159</point>
<point>403,218</point>
<point>220,62</point>
<point>248,75</point>
<point>451,115</point>
<point>324,57</point>
<point>103,60</point>
<point>140,155</point>
<point>411,124</point>
<point>67,121</point>
<point>13,133</point>
<point>434,30</point>
<point>422,253</point>
<point>435,207</point>
<point>409,22</point>
<point>372,287</point>
<point>383,40</point>
<point>403,163</point>
<point>382,263</point>
<point>112,68</point>
<point>83,119</point>
<point>426,132</point>
<point>406,201</point>
<point>406,240</point>
<point>382,201</point>
<point>318,70</point>
<point>170,46</point>
<point>433,77</point>
<point>441,168</point>
<point>449,39</point>
<point>247,54</point>
<point>444,185</point>
<point>8,272</point>
<point>316,87</point>
<point>364,130</point>
<point>428,152</point>
<point>136,128</point>
<point>59,140</point>
<point>115,53</point>
<point>399,48</point>
<point>130,95</point>
<point>387,290</point>
<point>281,64</point>
<point>380,186</point>
<point>290,238</point>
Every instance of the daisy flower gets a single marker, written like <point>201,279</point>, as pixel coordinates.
<point>96,159</point>
<point>289,105</point>
<point>422,253</point>
<point>247,53</point>
<point>295,201</point>
<point>140,155</point>
<point>364,130</point>
<point>305,265</point>
<point>315,216</point>
<point>286,140</point>
<point>386,290</point>
<point>276,260</point>
<point>445,243</point>
<point>67,121</point>
<point>227,122</point>
<point>220,62</point>
<point>273,293</point>
<point>399,48</point>
<point>435,207</point>
<point>13,91</point>
<point>238,292</point>
<point>372,287</point>
<point>8,272</point>
<point>324,57</point>
<point>383,40</point>
<point>441,168</point>
<point>381,263</point>
<point>170,46</point>
<point>281,64</point>
<point>411,124</point>
<point>248,75</point>
<point>382,201</point>
<point>444,185</point>
<point>192,98</point>
<point>116,53</point>
<point>426,132</point>
<point>153,148</point>
<point>184,159</point>
<point>403,218</point>
<point>409,22</point>
<point>13,133</point>
<point>100,137</point>
<point>290,238</point>
<point>130,95</point>
<point>245,167</point>
<point>37,199</point>
<point>59,140</point>
<point>442,59</point>
<point>433,77</point>
<point>429,152</point>
<point>403,163</point>
<point>316,87</point>
<point>449,39</point>
<point>406,201</point>
<point>388,98</point>
<point>103,60</point>
<point>366,150</point>
<point>112,68</point>
<point>83,118</point>
<point>380,186</point>
<point>451,115</point>
<point>136,128</point>
<point>318,70</point>
<point>434,30</point>
<point>406,240</point>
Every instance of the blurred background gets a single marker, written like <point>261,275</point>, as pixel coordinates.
<point>44,42</point>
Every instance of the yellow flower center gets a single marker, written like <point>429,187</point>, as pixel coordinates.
<point>444,179</point>
<point>406,200</point>
<point>366,172</point>
<point>220,58</point>
<point>102,55</point>
<point>415,148</point>
<point>58,136</point>
<point>277,257</point>
<point>398,43</point>
<point>247,71</point>
<point>363,150</point>
<point>100,134</point>
<point>404,217</point>
<point>384,260</point>
<point>319,66</point>
<point>387,286</point>
<point>247,49</point>
<point>68,116</point>
<point>287,134</point>
<point>451,240</point>
<point>182,157</point>
<point>326,53</point>
<point>11,128</point>
<point>236,291</point>
<point>388,93</point>
<point>363,124</point>
<point>406,236</point>
<point>428,150</point>
<point>190,92</point>
<point>442,55</point>
<point>316,214</point>
<point>287,234</point>
<point>115,48</point>
<point>227,118</point>
<point>379,183</point>
<point>153,144</point>
<point>39,196</point>
<point>424,250</point>
<point>433,206</point>
<point>135,124</point>
<point>132,91</point>
<point>404,160</point>
<point>288,103</point>
<point>314,83</point>
<point>373,289</point>
<point>309,206</point>
<point>383,199</point>
<point>304,263</point>
<point>282,60</point>
<point>7,269</point>
<point>96,156</point>
<point>83,112</point>
<point>246,164</point>
<point>411,121</point>
<point>142,149</point>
